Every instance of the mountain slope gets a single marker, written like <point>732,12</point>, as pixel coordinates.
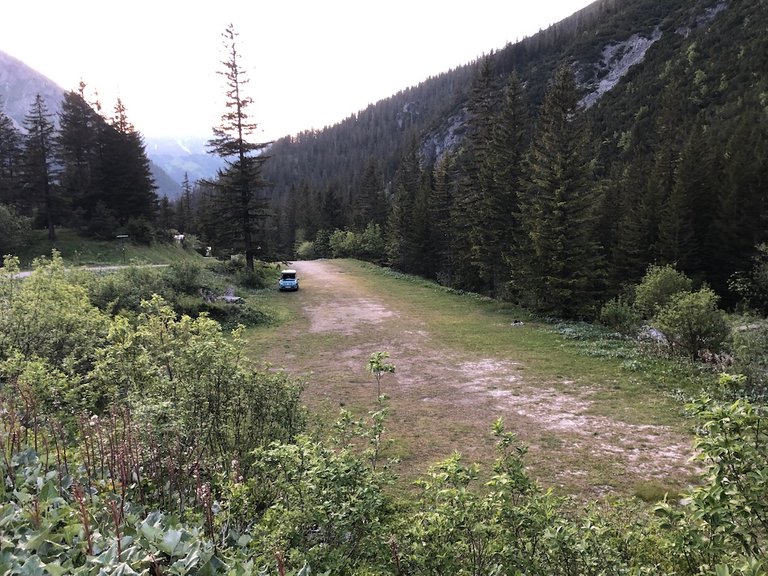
<point>19,84</point>
<point>603,42</point>
<point>673,109</point>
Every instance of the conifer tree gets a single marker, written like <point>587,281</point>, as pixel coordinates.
<point>184,208</point>
<point>440,208</point>
<point>476,187</point>
<point>369,204</point>
<point>561,270</point>
<point>510,142</point>
<point>40,174</point>
<point>240,183</point>
<point>10,160</point>
<point>407,226</point>
<point>78,146</point>
<point>743,207</point>
<point>127,183</point>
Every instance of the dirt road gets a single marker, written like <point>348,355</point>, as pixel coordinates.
<point>444,399</point>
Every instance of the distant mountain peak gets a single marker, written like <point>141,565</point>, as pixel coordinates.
<point>20,84</point>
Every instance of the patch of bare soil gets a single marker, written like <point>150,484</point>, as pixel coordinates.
<point>444,401</point>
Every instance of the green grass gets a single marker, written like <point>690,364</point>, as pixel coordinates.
<point>621,380</point>
<point>80,251</point>
<point>629,376</point>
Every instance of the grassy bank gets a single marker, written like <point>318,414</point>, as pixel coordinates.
<point>80,251</point>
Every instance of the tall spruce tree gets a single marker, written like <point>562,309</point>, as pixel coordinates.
<point>742,218</point>
<point>184,216</point>
<point>10,160</point>
<point>510,142</point>
<point>79,147</point>
<point>561,269</point>
<point>477,251</point>
<point>440,208</point>
<point>128,184</point>
<point>40,174</point>
<point>407,225</point>
<point>240,184</point>
<point>369,204</point>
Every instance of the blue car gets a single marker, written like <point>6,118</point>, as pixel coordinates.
<point>288,281</point>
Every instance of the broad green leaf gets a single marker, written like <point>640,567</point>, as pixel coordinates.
<point>56,569</point>
<point>48,491</point>
<point>170,542</point>
<point>33,567</point>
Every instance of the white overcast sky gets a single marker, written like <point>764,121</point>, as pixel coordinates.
<point>311,63</point>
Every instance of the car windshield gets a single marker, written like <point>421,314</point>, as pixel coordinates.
<point>288,276</point>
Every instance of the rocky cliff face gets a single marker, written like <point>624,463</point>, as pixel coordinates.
<point>616,61</point>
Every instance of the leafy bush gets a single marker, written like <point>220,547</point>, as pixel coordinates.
<point>229,315</point>
<point>692,322</point>
<point>752,286</point>
<point>185,276</point>
<point>140,231</point>
<point>367,245</point>
<point>750,356</point>
<point>14,230</point>
<point>657,288</point>
<point>219,398</point>
<point>324,508</point>
<point>723,523</point>
<point>125,289</point>
<point>621,316</point>
<point>306,251</point>
<point>46,316</point>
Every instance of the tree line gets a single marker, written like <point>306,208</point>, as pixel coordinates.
<point>82,170</point>
<point>517,191</point>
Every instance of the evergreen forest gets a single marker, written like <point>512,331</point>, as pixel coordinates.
<point>496,177</point>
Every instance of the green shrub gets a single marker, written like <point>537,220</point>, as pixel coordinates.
<point>750,356</point>
<point>140,231</point>
<point>692,322</point>
<point>46,316</point>
<point>229,315</point>
<point>124,289</point>
<point>657,288</point>
<point>254,280</point>
<point>306,251</point>
<point>752,286</point>
<point>621,316</point>
<point>14,230</point>
<point>185,276</point>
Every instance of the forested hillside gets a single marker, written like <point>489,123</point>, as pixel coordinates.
<point>498,177</point>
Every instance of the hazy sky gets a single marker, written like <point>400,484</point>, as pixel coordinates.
<point>311,63</point>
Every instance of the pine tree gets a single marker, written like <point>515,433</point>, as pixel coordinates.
<point>184,207</point>
<point>741,222</point>
<point>562,270</point>
<point>40,177</point>
<point>369,203</point>
<point>10,160</point>
<point>510,142</point>
<point>80,130</point>
<point>475,250</point>
<point>440,207</point>
<point>240,184</point>
<point>407,224</point>
<point>128,185</point>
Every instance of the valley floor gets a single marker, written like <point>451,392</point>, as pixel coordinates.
<point>583,436</point>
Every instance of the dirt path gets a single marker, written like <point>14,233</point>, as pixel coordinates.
<point>445,400</point>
